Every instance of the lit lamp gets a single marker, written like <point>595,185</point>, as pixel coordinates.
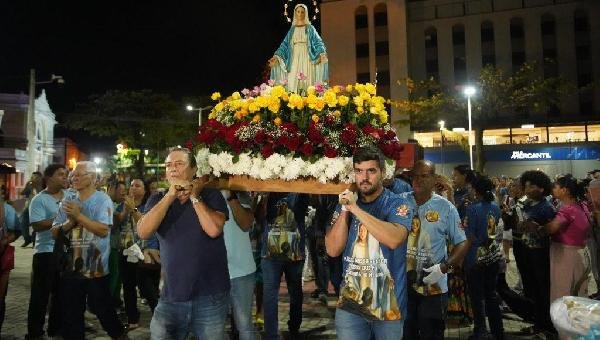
<point>469,91</point>
<point>200,110</point>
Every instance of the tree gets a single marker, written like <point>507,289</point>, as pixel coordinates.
<point>140,119</point>
<point>499,95</point>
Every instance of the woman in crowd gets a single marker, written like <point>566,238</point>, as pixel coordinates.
<point>482,263</point>
<point>569,259</point>
<point>8,233</point>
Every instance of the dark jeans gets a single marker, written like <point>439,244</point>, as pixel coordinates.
<point>272,271</point>
<point>481,283</point>
<point>44,287</point>
<point>426,317</point>
<point>129,278</point>
<point>517,303</point>
<point>148,281</point>
<point>73,294</point>
<point>538,280</point>
<point>316,248</point>
<point>523,265</point>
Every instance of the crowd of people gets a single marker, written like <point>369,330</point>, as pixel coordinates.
<point>402,254</point>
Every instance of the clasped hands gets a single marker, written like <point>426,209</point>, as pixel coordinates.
<point>347,199</point>
<point>181,187</point>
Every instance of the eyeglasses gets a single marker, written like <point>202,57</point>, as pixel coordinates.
<point>77,175</point>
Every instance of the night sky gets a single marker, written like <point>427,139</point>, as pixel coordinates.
<point>184,48</point>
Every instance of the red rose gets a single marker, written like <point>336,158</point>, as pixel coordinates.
<point>189,144</point>
<point>293,143</point>
<point>330,152</point>
<point>267,150</point>
<point>314,135</point>
<point>306,149</point>
<point>349,135</point>
<point>370,130</point>
<point>390,134</point>
<point>260,137</point>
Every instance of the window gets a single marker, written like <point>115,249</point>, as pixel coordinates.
<point>380,19</point>
<point>361,23</point>
<point>548,27</point>
<point>381,48</point>
<point>583,48</point>
<point>431,53</point>
<point>566,134</point>
<point>517,42</point>
<point>382,62</point>
<point>362,50</point>
<point>363,77</point>
<point>460,64</point>
<point>488,48</point>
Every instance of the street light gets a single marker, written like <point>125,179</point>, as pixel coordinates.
<point>200,110</point>
<point>469,91</point>
<point>441,123</point>
<point>31,147</point>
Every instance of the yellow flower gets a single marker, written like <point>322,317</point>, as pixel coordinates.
<point>274,105</point>
<point>360,110</point>
<point>343,100</point>
<point>370,88</point>
<point>295,102</point>
<point>358,101</point>
<point>277,121</point>
<point>359,87</point>
<point>383,117</point>
<point>320,105</point>
<point>278,91</point>
<point>311,90</point>
<point>311,100</point>
<point>348,88</point>
<point>365,95</point>
<point>262,101</point>
<point>285,97</point>
<point>330,98</point>
<point>337,113</point>
<point>236,95</point>
<point>215,96</point>
<point>373,110</point>
<point>315,118</point>
<point>256,119</point>
<point>238,115</point>
<point>212,115</point>
<point>219,107</point>
<point>253,107</point>
<point>337,89</point>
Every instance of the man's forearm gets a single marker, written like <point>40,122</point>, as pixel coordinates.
<point>42,225</point>
<point>457,255</point>
<point>336,237</point>
<point>212,222</point>
<point>387,233</point>
<point>97,228</point>
<point>149,223</point>
<point>242,216</point>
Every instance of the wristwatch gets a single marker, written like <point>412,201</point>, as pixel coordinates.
<point>194,200</point>
<point>450,267</point>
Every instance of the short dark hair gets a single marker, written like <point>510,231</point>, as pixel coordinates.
<point>576,188</point>
<point>484,187</point>
<point>539,179</point>
<point>369,153</point>
<point>188,152</point>
<point>466,171</point>
<point>51,169</point>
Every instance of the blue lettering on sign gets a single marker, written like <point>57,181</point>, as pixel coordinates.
<point>523,153</point>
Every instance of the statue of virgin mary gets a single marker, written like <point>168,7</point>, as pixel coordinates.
<point>301,59</point>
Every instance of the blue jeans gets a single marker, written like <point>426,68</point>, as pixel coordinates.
<point>242,292</point>
<point>351,326</point>
<point>272,271</point>
<point>204,316</point>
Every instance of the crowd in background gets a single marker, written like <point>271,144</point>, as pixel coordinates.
<point>89,244</point>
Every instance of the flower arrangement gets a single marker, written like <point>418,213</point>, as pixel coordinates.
<point>269,133</point>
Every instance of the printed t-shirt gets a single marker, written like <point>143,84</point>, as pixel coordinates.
<point>541,212</point>
<point>193,263</point>
<point>237,242</point>
<point>481,223</point>
<point>400,186</point>
<point>574,225</point>
<point>42,207</point>
<point>283,238</point>
<point>433,222</point>
<point>88,252</point>
<point>374,279</point>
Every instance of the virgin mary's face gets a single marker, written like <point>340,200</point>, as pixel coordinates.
<point>300,13</point>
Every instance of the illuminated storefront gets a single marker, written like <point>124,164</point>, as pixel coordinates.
<point>510,151</point>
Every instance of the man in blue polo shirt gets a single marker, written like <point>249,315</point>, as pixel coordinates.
<point>189,221</point>
<point>44,271</point>
<point>435,221</point>
<point>371,233</point>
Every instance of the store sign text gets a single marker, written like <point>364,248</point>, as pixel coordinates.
<point>530,155</point>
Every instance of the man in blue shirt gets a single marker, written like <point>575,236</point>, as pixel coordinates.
<point>371,234</point>
<point>44,271</point>
<point>189,222</point>
<point>435,221</point>
<point>85,218</point>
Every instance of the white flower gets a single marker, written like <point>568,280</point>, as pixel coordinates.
<point>204,167</point>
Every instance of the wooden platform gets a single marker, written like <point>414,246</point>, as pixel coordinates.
<point>306,186</point>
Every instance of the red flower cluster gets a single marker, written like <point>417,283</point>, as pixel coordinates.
<point>290,139</point>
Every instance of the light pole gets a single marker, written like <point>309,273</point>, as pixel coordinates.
<point>200,110</point>
<point>441,123</point>
<point>31,142</point>
<point>469,91</point>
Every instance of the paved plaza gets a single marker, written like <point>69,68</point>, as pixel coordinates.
<point>317,319</point>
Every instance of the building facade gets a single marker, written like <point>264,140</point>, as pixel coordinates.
<point>452,40</point>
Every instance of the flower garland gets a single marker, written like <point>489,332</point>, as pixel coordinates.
<point>269,133</point>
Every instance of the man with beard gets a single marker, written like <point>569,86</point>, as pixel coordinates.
<point>439,221</point>
<point>371,234</point>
